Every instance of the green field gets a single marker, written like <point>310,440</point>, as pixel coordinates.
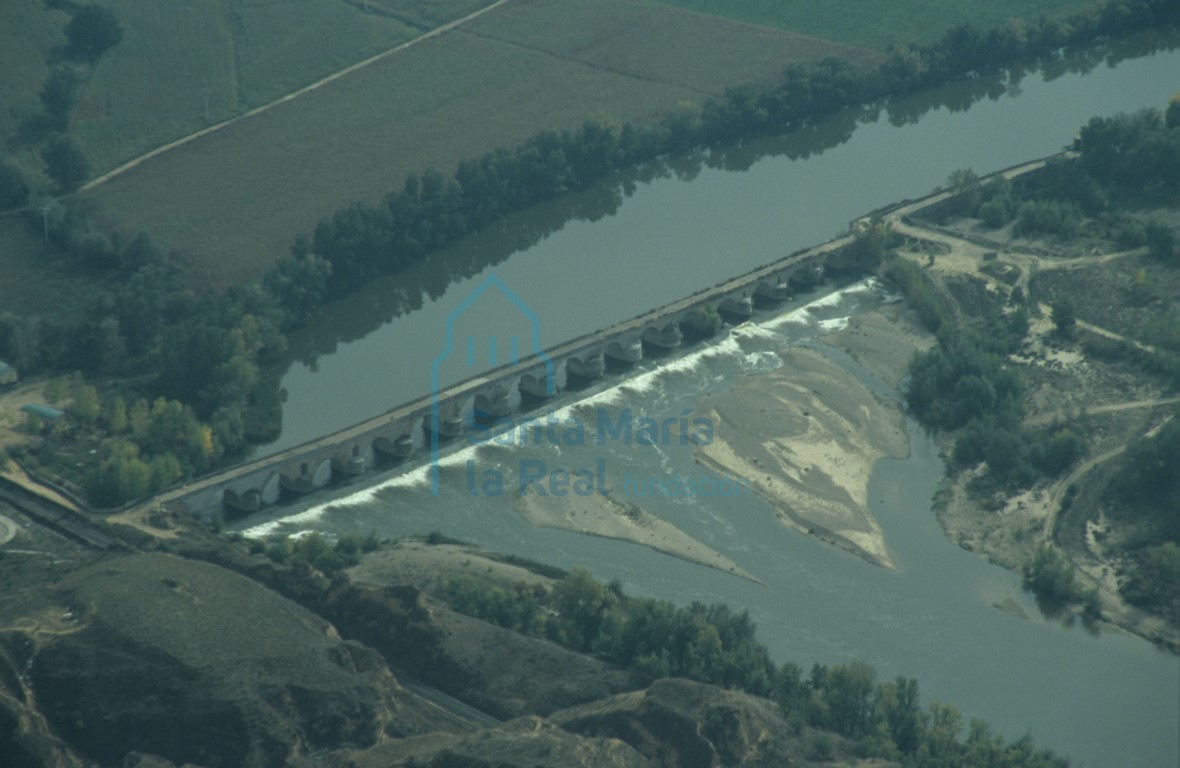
<point>183,64</point>
<point>877,23</point>
<point>232,202</point>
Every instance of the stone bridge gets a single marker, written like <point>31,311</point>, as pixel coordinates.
<point>411,428</point>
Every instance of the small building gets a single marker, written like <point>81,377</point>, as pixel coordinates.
<point>8,374</point>
<point>45,413</point>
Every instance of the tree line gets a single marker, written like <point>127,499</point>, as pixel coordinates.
<point>91,30</point>
<point>713,644</point>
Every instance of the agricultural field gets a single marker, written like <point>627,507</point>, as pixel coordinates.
<point>183,65</point>
<point>230,203</point>
<point>877,23</point>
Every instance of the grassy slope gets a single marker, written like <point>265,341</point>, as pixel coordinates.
<point>247,190</point>
<point>877,23</point>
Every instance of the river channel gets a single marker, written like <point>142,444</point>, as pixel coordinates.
<point>590,260</point>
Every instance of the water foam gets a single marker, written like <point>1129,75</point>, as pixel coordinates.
<point>262,530</point>
<point>834,324</point>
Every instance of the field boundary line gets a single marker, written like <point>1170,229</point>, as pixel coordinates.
<point>436,32</point>
<point>583,63</point>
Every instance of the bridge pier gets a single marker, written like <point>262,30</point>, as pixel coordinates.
<point>400,447</point>
<point>312,475</point>
<point>590,365</point>
<point>738,306</point>
<point>668,337</point>
<point>493,402</point>
<point>626,349</point>
<point>541,386</point>
<point>779,291</point>
<point>352,463</point>
<point>450,419</point>
<point>249,501</point>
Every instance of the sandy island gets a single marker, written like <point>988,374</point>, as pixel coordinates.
<point>609,518</point>
<point>806,435</point>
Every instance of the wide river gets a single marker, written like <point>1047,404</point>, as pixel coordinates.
<point>635,242</point>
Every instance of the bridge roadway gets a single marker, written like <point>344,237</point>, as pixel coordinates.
<point>310,465</point>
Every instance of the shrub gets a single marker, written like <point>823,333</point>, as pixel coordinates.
<point>92,30</point>
<point>14,189</point>
<point>65,163</point>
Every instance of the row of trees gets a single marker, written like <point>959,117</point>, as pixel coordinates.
<point>91,31</point>
<point>1127,158</point>
<point>715,645</point>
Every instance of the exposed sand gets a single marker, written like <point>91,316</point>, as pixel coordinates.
<point>806,436</point>
<point>883,341</point>
<point>601,515</point>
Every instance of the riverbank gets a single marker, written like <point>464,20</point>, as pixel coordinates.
<point>806,436</point>
<point>599,515</point>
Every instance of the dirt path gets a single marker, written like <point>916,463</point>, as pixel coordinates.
<point>966,256</point>
<point>1047,418</point>
<point>450,25</point>
<point>1053,507</point>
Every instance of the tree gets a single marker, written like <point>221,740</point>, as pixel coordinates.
<point>1172,115</point>
<point>92,30</point>
<point>994,212</point>
<point>65,163</point>
<point>1064,317</point>
<point>85,407</point>
<point>1050,577</point>
<point>903,713</point>
<point>59,94</point>
<point>1161,241</point>
<point>14,189</point>
<point>850,696</point>
<point>299,283</point>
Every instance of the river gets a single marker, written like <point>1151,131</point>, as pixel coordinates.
<point>644,239</point>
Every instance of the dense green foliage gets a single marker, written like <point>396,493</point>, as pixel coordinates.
<point>65,163</point>
<point>319,552</point>
<point>92,30</point>
<point>59,94</point>
<point>1052,578</point>
<point>1136,154</point>
<point>965,384</point>
<point>876,23</point>
<point>713,644</point>
<point>14,188</point>
<point>1144,494</point>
